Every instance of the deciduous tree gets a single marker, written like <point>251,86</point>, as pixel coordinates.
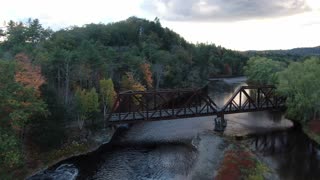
<point>129,83</point>
<point>107,94</point>
<point>87,103</point>
<point>260,70</point>
<point>300,84</point>
<point>147,74</point>
<point>28,75</point>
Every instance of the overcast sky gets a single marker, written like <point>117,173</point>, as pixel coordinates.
<point>234,24</point>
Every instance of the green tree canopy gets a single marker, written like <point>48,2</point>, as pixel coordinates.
<point>87,103</point>
<point>261,70</point>
<point>300,84</point>
<point>107,94</point>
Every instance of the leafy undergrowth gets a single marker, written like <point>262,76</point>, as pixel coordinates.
<point>37,159</point>
<point>314,126</point>
<point>66,151</point>
<point>312,129</point>
<point>240,163</point>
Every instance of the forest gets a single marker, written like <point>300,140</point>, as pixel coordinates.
<point>55,82</point>
<point>55,79</point>
<point>310,51</point>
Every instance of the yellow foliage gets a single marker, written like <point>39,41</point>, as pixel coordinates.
<point>147,75</point>
<point>129,83</point>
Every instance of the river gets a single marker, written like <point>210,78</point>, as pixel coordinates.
<point>190,149</point>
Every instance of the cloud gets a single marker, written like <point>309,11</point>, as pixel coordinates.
<point>223,10</point>
<point>64,13</point>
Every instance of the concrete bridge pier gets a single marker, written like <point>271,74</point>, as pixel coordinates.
<point>276,115</point>
<point>220,123</point>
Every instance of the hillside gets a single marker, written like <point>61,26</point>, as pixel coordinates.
<point>305,51</point>
<point>113,50</point>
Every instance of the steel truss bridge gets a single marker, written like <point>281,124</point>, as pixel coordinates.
<point>141,106</point>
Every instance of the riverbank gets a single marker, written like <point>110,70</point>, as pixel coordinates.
<point>217,152</point>
<point>240,163</point>
<point>221,158</point>
<point>312,129</point>
<point>38,160</point>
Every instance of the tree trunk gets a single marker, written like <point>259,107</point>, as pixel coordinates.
<point>80,122</point>
<point>158,70</point>
<point>67,83</point>
<point>59,81</point>
<point>104,111</point>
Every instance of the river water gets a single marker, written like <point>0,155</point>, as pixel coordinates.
<point>189,149</point>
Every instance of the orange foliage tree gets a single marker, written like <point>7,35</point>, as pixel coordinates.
<point>129,83</point>
<point>17,106</point>
<point>147,74</point>
<point>28,75</point>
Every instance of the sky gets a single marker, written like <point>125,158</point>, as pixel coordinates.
<point>234,24</point>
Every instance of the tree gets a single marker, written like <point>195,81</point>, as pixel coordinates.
<point>25,37</point>
<point>10,152</point>
<point>29,75</point>
<point>80,106</point>
<point>260,70</point>
<point>16,37</point>
<point>18,105</point>
<point>300,84</point>
<point>92,102</point>
<point>158,70</point>
<point>18,102</point>
<point>147,75</point>
<point>107,94</point>
<point>35,32</point>
<point>129,83</point>
<point>87,103</point>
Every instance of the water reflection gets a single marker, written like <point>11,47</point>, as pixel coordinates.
<point>221,91</point>
<point>295,155</point>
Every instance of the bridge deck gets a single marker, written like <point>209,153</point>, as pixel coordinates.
<point>131,107</point>
<point>167,114</point>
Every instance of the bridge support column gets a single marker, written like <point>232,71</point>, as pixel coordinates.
<point>276,115</point>
<point>220,123</point>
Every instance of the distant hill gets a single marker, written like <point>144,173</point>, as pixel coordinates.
<point>306,51</point>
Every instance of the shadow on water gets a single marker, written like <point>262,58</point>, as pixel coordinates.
<point>291,152</point>
<point>134,161</point>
